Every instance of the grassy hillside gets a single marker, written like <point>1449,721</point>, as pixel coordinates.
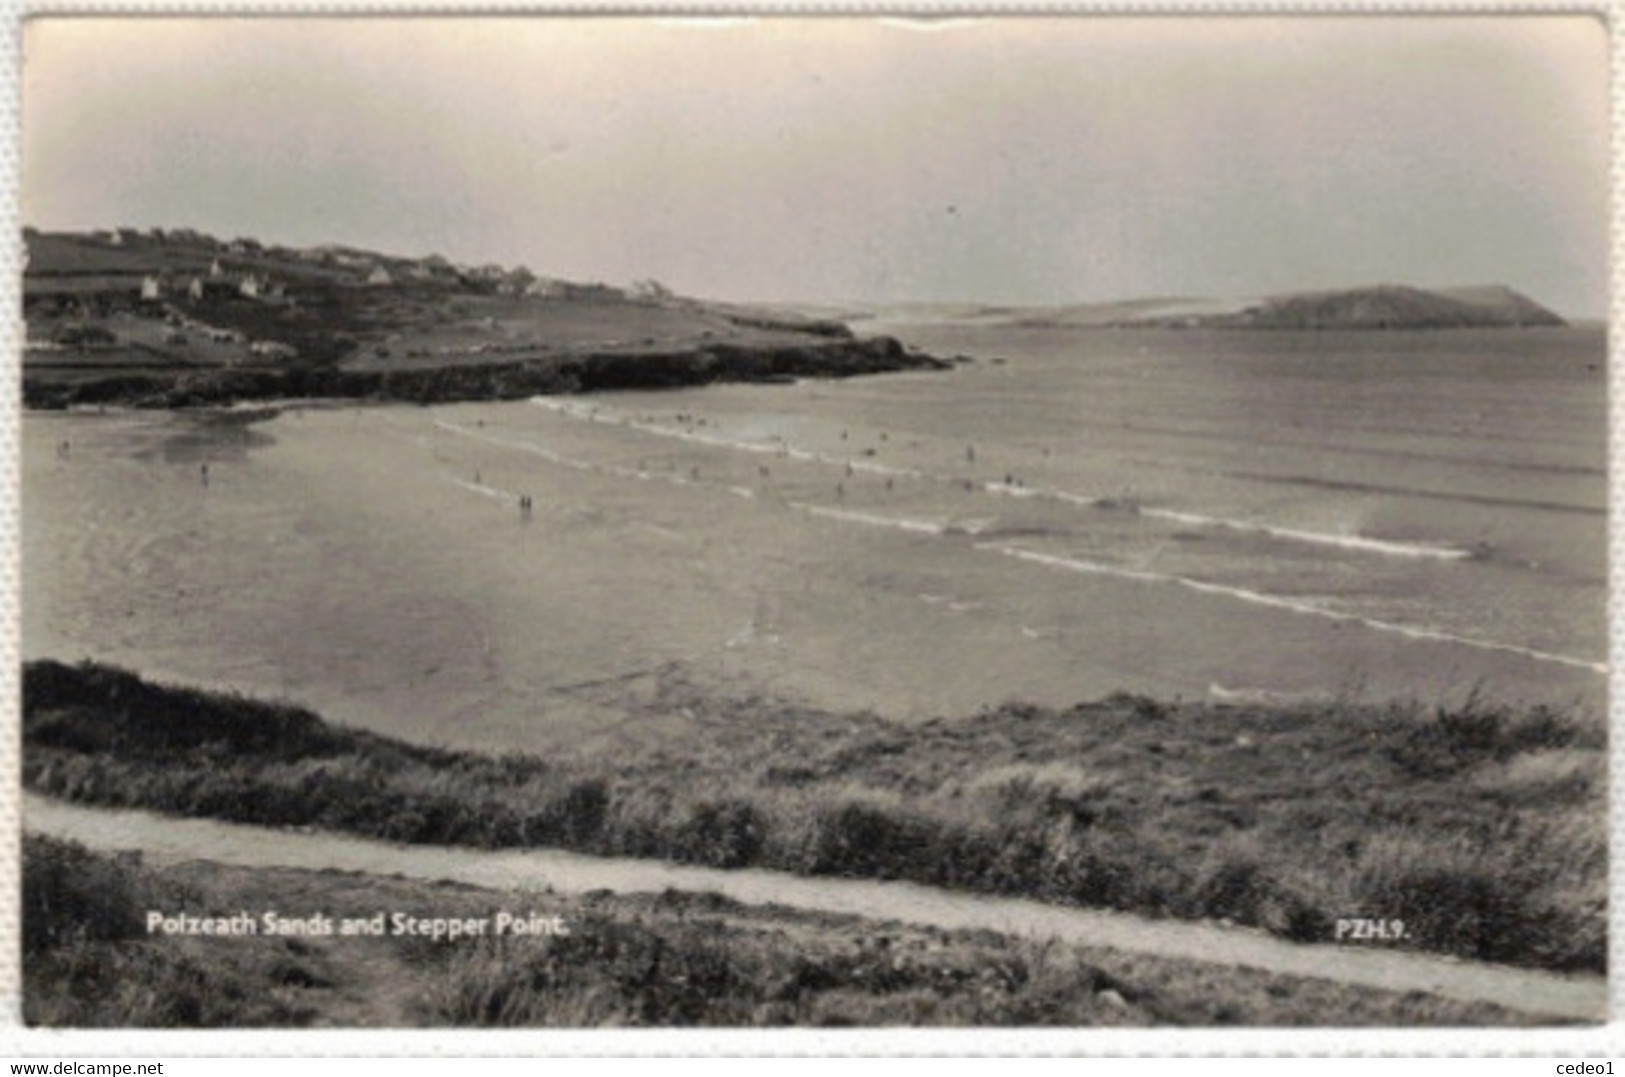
<point>668,960</point>
<point>190,318</point>
<point>1482,828</point>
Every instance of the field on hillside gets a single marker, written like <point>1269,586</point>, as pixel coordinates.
<point>323,307</point>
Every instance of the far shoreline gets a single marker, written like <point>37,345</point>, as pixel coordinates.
<point>586,372</point>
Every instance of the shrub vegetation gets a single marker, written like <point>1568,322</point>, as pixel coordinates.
<point>670,960</point>
<point>1482,827</point>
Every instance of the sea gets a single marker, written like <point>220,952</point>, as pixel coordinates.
<point>1217,515</point>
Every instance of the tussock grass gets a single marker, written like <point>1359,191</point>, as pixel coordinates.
<point>1483,827</point>
<point>689,973</point>
<point>87,959</point>
<point>669,960</point>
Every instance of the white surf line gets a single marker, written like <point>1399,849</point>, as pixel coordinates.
<point>1202,586</point>
<point>485,491</point>
<point>1276,602</point>
<point>176,839</point>
<point>870,519</point>
<point>566,461</point>
<point>1357,543</point>
<point>969,527</point>
<point>492,492</point>
<point>1351,542</point>
<point>583,414</point>
<point>525,446</point>
<point>615,470</point>
<point>1091,567</point>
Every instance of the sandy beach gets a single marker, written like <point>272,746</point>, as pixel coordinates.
<point>832,545</point>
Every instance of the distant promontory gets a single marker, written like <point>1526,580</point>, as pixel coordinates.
<point>1383,306</point>
<point>1392,306</point>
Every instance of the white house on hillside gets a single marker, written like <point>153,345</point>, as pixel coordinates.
<point>547,288</point>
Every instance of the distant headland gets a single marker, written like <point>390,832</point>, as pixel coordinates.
<point>1378,307</point>
<point>1385,306</point>
<point>169,318</point>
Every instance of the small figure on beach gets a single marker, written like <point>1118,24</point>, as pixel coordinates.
<point>203,474</point>
<point>970,454</point>
<point>762,471</point>
<point>840,492</point>
<point>524,507</point>
<point>476,476</point>
<point>64,450</point>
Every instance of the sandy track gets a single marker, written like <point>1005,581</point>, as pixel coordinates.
<point>170,839</point>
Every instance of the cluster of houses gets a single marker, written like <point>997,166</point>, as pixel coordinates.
<point>218,284</point>
<point>244,272</point>
<point>436,269</point>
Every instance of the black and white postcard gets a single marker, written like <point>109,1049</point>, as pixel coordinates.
<point>814,522</point>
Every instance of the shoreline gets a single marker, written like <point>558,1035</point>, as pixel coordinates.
<point>586,372</point>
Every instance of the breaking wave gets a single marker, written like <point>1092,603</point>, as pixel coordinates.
<point>1070,564</point>
<point>1259,598</point>
<point>1356,543</point>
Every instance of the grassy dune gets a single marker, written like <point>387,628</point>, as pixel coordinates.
<point>669,960</point>
<point>1482,828</point>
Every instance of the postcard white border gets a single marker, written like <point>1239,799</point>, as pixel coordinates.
<point>17,1042</point>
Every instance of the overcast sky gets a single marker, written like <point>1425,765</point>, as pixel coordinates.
<point>1017,160</point>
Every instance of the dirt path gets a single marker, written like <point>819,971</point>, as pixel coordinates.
<point>170,839</point>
